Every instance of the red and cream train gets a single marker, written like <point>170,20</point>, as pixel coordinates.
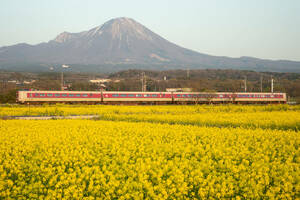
<point>117,97</point>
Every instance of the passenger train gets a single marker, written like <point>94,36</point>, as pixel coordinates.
<point>117,97</point>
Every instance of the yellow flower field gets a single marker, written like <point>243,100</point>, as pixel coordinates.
<point>282,117</point>
<point>170,152</point>
<point>61,109</point>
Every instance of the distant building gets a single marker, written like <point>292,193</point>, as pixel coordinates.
<point>99,81</point>
<point>102,86</point>
<point>29,82</point>
<point>65,66</point>
<point>64,88</point>
<point>179,89</point>
<point>21,82</point>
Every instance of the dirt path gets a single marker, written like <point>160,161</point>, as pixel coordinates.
<point>53,117</point>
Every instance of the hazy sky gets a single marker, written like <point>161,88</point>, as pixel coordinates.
<point>258,28</point>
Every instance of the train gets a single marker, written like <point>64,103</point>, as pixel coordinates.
<point>123,97</point>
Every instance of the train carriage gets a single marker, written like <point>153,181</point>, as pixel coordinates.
<point>58,96</point>
<point>117,97</point>
<point>261,97</point>
<point>137,96</point>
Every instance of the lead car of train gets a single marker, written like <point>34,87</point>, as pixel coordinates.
<point>116,97</point>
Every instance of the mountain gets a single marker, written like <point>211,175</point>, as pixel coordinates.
<point>123,43</point>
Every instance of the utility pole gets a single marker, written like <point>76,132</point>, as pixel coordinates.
<point>261,79</point>
<point>245,82</point>
<point>62,76</point>
<point>142,80</point>
<point>272,84</point>
<point>62,80</point>
<point>188,73</point>
<point>144,83</point>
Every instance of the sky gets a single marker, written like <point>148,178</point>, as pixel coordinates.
<point>268,29</point>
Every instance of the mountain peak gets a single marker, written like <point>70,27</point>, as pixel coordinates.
<point>122,19</point>
<point>124,26</point>
<point>63,37</point>
<point>117,28</point>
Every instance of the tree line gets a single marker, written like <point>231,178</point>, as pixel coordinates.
<point>131,80</point>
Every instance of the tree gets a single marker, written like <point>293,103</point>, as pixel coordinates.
<point>8,97</point>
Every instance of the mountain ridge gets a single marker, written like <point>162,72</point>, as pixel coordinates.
<point>123,41</point>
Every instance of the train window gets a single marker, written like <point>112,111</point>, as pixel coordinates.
<point>64,95</point>
<point>130,95</point>
<point>57,95</point>
<point>178,95</point>
<point>114,95</point>
<point>84,95</point>
<point>42,95</point>
<point>49,95</point>
<point>36,94</point>
<point>146,95</point>
<point>77,95</point>
<point>71,95</point>
<point>139,95</point>
<point>154,95</point>
<point>123,95</point>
